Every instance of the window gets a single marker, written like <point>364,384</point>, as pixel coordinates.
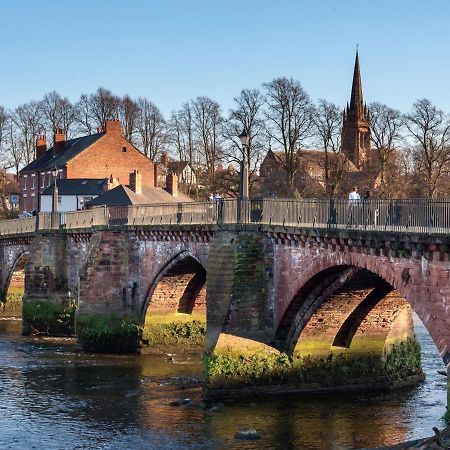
<point>42,180</point>
<point>59,199</point>
<point>33,180</point>
<point>124,149</point>
<point>25,178</point>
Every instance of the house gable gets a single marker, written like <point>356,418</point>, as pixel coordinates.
<point>111,155</point>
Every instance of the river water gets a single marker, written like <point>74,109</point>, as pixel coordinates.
<point>55,397</point>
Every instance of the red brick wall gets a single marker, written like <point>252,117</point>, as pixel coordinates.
<point>106,157</point>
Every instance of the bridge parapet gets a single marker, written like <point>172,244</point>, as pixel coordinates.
<point>428,216</point>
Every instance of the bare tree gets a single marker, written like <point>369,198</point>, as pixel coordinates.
<point>246,116</point>
<point>5,160</point>
<point>27,123</point>
<point>429,129</point>
<point>385,125</point>
<point>16,152</point>
<point>84,115</point>
<point>95,109</point>
<point>289,115</point>
<point>207,122</point>
<point>151,127</point>
<point>129,113</point>
<point>328,123</point>
<point>58,112</point>
<point>183,140</point>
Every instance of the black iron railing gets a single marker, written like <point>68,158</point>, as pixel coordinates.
<point>403,216</point>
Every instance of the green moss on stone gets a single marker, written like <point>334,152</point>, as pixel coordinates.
<point>181,334</point>
<point>49,318</point>
<point>108,333</point>
<point>333,370</point>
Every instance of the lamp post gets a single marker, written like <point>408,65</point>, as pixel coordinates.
<point>243,179</point>
<point>54,216</point>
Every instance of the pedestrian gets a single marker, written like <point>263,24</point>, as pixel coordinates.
<point>353,201</point>
<point>354,196</point>
<point>367,210</point>
<point>211,197</point>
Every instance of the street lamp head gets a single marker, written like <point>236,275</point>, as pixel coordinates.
<point>54,172</point>
<point>244,138</point>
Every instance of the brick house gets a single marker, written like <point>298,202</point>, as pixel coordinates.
<point>97,156</point>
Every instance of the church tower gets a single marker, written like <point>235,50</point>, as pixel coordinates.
<point>356,125</point>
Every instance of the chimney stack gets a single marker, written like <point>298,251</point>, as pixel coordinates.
<point>164,159</point>
<point>41,145</point>
<point>136,182</point>
<point>113,127</point>
<point>59,139</point>
<point>172,184</point>
<point>111,183</point>
<point>155,174</point>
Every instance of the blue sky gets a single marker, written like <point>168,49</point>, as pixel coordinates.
<point>174,50</point>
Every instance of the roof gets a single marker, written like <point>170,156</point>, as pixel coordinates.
<point>77,186</point>
<point>123,196</point>
<point>312,156</point>
<point>177,166</point>
<point>71,148</point>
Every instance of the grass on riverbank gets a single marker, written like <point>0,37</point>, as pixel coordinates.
<point>108,333</point>
<point>46,317</point>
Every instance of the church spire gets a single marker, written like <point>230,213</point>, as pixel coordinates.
<point>356,99</point>
<point>356,125</point>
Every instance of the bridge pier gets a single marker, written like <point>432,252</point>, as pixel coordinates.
<point>343,329</point>
<point>48,302</point>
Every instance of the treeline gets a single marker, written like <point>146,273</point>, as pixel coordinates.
<point>413,149</point>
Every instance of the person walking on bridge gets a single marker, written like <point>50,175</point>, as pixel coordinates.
<point>354,200</point>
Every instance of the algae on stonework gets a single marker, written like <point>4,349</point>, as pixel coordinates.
<point>222,370</point>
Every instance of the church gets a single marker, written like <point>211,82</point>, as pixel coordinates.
<point>356,164</point>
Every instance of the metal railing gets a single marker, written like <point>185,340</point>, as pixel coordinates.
<point>406,216</point>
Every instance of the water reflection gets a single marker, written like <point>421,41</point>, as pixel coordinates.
<point>53,396</point>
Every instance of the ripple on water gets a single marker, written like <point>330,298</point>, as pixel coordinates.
<point>54,396</point>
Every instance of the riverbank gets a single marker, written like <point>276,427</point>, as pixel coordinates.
<point>440,441</point>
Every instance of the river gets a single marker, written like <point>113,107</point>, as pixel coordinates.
<point>55,397</point>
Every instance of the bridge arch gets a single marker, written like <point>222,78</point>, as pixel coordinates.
<point>181,264</point>
<point>14,285</point>
<point>323,276</point>
<point>175,305</point>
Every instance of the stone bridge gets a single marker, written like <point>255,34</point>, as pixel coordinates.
<point>273,287</point>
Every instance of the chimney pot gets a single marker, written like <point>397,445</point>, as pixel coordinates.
<point>113,127</point>
<point>41,145</point>
<point>59,139</point>
<point>164,159</point>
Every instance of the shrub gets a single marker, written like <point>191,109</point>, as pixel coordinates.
<point>108,333</point>
<point>46,317</point>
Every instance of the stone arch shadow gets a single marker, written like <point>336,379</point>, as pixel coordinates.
<point>327,273</point>
<point>174,310</point>
<point>166,268</point>
<point>18,265</point>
